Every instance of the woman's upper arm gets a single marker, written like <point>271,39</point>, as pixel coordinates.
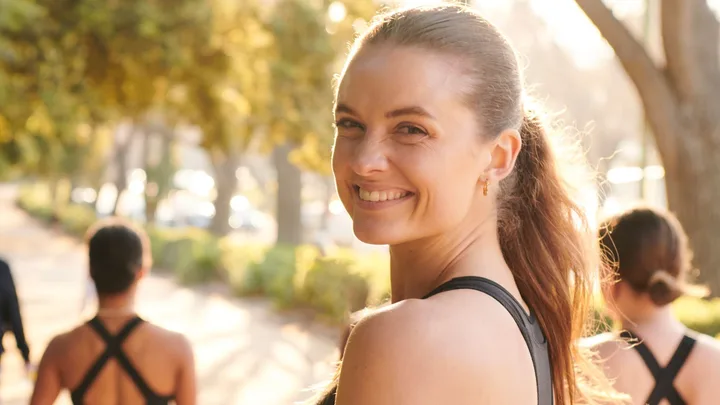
<point>393,359</point>
<point>48,383</point>
<point>411,357</point>
<point>185,392</point>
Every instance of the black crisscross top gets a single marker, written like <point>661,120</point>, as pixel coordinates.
<point>664,376</point>
<point>114,350</point>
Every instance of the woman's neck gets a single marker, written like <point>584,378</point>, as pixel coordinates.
<point>116,305</point>
<point>417,267</point>
<point>653,321</point>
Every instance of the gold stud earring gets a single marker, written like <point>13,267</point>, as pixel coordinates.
<point>485,187</point>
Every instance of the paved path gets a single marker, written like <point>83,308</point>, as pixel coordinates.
<point>245,352</point>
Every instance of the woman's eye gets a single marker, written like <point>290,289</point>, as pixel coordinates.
<point>411,130</point>
<point>347,124</point>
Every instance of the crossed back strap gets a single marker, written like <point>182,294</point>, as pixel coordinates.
<point>664,376</point>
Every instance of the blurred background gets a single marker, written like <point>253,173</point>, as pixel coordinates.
<point>209,121</point>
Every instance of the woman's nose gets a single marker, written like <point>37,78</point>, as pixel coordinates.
<point>370,157</point>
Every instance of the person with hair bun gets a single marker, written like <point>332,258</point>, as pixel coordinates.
<point>648,258</point>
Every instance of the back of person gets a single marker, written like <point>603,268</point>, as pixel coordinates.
<point>156,356</point>
<point>117,357</point>
<point>655,359</point>
<point>695,382</point>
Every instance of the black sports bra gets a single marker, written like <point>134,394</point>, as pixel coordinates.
<point>664,376</point>
<point>114,350</point>
<point>528,325</point>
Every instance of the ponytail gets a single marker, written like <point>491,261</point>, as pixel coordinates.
<point>547,244</point>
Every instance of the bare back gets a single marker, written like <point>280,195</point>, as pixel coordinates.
<point>695,382</point>
<point>160,358</point>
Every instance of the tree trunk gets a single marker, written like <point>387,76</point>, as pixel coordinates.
<point>121,156</point>
<point>681,101</point>
<point>289,197</point>
<point>226,184</point>
<point>693,191</point>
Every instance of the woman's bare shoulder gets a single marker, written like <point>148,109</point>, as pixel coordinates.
<point>175,341</point>
<point>707,351</point>
<point>433,351</point>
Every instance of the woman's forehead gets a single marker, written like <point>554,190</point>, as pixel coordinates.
<point>403,75</point>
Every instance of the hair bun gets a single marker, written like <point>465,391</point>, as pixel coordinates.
<point>663,288</point>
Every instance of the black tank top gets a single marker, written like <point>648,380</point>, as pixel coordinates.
<point>664,376</point>
<point>114,350</point>
<point>528,325</point>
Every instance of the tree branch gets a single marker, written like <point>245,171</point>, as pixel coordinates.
<point>708,30</point>
<point>656,93</point>
<point>687,35</point>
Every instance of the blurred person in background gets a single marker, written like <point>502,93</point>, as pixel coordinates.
<point>117,357</point>
<point>438,154</point>
<point>658,360</point>
<point>10,316</point>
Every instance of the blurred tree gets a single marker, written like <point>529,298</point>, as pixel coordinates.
<point>311,39</point>
<point>75,63</point>
<point>159,160</point>
<point>681,97</point>
<point>227,94</point>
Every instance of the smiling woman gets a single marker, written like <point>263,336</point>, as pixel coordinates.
<point>437,155</point>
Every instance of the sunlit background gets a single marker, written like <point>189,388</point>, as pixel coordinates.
<point>223,155</point>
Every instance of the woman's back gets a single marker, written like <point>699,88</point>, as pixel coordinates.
<point>660,361</point>
<point>117,358</point>
<point>89,362</point>
<point>694,374</point>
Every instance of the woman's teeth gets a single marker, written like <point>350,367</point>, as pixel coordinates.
<point>376,196</point>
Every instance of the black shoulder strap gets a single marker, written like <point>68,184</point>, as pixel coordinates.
<point>489,287</point>
<point>113,349</point>
<point>531,332</point>
<point>664,376</point>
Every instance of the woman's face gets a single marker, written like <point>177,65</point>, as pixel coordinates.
<point>409,158</point>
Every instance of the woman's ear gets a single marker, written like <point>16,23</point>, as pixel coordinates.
<point>504,153</point>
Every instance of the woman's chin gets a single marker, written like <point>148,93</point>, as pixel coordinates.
<point>381,235</point>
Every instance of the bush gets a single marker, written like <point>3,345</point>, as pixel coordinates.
<point>192,254</point>
<point>700,315</point>
<point>239,263</point>
<point>280,274</point>
<point>334,288</point>
<point>35,199</point>
<point>76,219</point>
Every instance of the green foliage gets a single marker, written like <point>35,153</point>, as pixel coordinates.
<point>68,64</point>
<point>699,315</point>
<point>239,263</point>
<point>77,219</point>
<point>333,288</point>
<point>35,199</point>
<point>345,281</point>
<point>193,255</point>
<point>280,273</point>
